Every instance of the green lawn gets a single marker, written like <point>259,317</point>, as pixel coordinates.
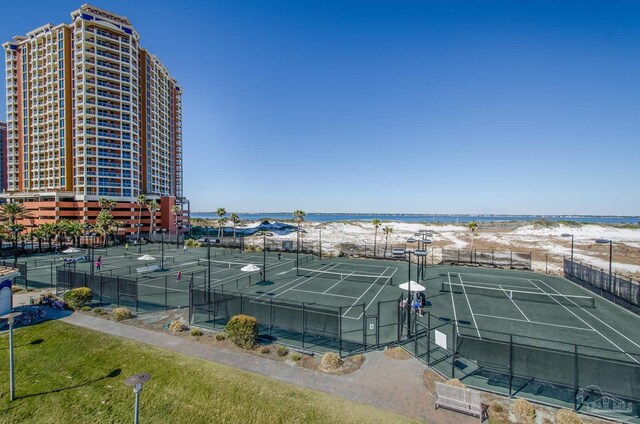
<point>72,375</point>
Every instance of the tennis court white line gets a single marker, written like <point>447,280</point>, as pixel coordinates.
<point>351,273</point>
<point>619,333</point>
<point>363,293</point>
<point>516,305</point>
<point>575,315</point>
<point>303,278</point>
<point>496,276</point>
<point>535,322</point>
<point>376,296</point>
<point>470,309</point>
<point>326,294</point>
<point>453,303</point>
<point>528,286</point>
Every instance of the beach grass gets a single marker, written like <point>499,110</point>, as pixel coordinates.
<point>74,375</point>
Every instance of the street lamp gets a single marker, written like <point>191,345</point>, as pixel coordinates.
<point>88,233</point>
<point>399,252</point>
<point>136,381</point>
<point>138,239</point>
<point>208,258</point>
<point>11,318</point>
<point>605,241</point>
<point>298,232</point>
<point>265,234</point>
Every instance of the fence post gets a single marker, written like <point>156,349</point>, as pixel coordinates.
<point>340,331</point>
<point>304,324</point>
<point>429,338</point>
<point>165,290</point>
<point>510,365</point>
<point>364,326</point>
<point>101,287</point>
<point>270,316</point>
<point>51,284</point>
<point>117,290</point>
<point>575,377</point>
<point>455,348</point>
<point>546,263</point>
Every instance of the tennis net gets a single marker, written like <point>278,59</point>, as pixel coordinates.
<point>346,276</point>
<point>223,264</point>
<point>533,296</point>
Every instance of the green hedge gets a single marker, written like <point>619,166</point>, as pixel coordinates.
<point>242,330</point>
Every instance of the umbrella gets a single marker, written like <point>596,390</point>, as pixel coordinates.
<point>250,268</point>
<point>146,258</point>
<point>414,286</point>
<point>72,250</point>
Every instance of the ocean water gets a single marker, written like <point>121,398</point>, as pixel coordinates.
<point>329,217</point>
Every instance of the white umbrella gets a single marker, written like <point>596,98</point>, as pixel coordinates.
<point>250,268</point>
<point>72,250</point>
<point>146,258</point>
<point>414,286</point>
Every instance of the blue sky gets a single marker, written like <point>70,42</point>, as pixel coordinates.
<point>396,106</point>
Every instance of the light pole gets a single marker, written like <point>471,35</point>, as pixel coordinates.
<point>11,318</point>
<point>398,252</point>
<point>320,243</point>
<point>265,234</point>
<point>298,232</point>
<point>605,241</point>
<point>208,259</point>
<point>90,247</point>
<point>136,381</point>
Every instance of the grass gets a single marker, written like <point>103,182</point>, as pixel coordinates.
<point>73,375</point>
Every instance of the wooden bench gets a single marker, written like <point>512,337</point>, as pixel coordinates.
<point>148,268</point>
<point>461,400</point>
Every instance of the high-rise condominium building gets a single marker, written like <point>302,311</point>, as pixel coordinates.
<point>3,155</point>
<point>91,114</point>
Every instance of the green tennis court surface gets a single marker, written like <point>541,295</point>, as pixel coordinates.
<point>532,335</point>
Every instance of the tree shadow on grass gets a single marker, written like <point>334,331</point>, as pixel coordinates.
<point>31,343</point>
<point>114,373</point>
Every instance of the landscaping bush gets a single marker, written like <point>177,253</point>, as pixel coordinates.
<point>242,330</point>
<point>99,311</point>
<point>296,357</point>
<point>282,351</point>
<point>77,298</point>
<point>85,308</point>
<point>456,383</point>
<point>120,314</point>
<point>196,332</point>
<point>265,350</point>
<point>523,409</point>
<point>192,243</point>
<point>42,297</point>
<point>177,327</point>
<point>220,337</point>
<point>330,361</point>
<point>567,416</point>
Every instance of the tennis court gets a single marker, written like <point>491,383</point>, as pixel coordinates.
<point>532,335</point>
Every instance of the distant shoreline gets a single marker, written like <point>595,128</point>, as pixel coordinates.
<point>428,218</point>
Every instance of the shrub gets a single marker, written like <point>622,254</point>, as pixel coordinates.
<point>192,243</point>
<point>220,337</point>
<point>330,361</point>
<point>177,327</point>
<point>265,350</point>
<point>522,408</point>
<point>196,332</point>
<point>77,298</point>
<point>296,356</point>
<point>282,351</point>
<point>456,383</point>
<point>86,308</point>
<point>567,416</point>
<point>99,311</point>
<point>42,297</point>
<point>120,314</point>
<point>242,330</point>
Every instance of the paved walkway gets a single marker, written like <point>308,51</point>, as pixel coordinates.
<point>382,382</point>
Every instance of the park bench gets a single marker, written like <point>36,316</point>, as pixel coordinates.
<point>459,399</point>
<point>148,268</point>
<point>79,259</point>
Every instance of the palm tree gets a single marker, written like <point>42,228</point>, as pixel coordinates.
<point>13,211</point>
<point>74,230</point>
<point>235,220</point>
<point>386,231</point>
<point>222,222</point>
<point>221,212</point>
<point>175,210</point>
<point>298,217</point>
<point>473,227</point>
<point>39,235</point>
<point>376,224</point>
<point>104,224</point>
<point>152,205</point>
<point>105,203</point>
<point>48,231</point>
<point>141,200</point>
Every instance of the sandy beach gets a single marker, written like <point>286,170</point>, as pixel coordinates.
<point>543,240</point>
